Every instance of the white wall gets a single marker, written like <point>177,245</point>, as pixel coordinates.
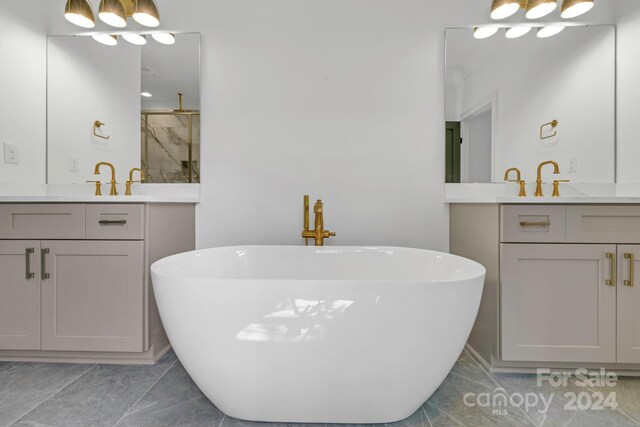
<point>88,81</point>
<point>23,70</point>
<point>476,161</point>
<point>570,78</point>
<point>628,17</point>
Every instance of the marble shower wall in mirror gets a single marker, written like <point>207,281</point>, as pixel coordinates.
<point>88,82</point>
<point>170,118</point>
<point>500,91</point>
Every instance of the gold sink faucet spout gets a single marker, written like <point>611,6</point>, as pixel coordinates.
<point>131,181</point>
<point>556,170</point>
<point>319,234</point>
<point>114,191</point>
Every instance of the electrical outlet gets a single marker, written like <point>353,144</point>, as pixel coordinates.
<point>573,164</point>
<point>11,154</point>
<point>74,163</point>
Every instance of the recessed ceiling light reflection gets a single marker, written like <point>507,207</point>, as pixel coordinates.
<point>484,32</point>
<point>135,38</point>
<point>106,39</point>
<point>146,94</point>
<point>164,38</point>
<point>515,32</point>
<point>549,31</point>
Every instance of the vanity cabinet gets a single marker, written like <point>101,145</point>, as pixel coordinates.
<point>556,305</point>
<point>75,281</point>
<point>562,287</point>
<point>19,295</point>
<point>92,299</point>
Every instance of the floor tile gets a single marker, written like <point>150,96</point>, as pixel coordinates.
<point>27,385</point>
<point>448,406</point>
<point>174,400</point>
<point>5,366</point>
<point>100,397</point>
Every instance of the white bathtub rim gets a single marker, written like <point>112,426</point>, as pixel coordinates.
<point>472,265</point>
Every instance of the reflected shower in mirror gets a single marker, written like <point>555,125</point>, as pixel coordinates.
<point>121,104</point>
<point>518,102</point>
<point>171,111</point>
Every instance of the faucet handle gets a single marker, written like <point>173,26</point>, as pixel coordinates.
<point>98,188</point>
<point>556,187</point>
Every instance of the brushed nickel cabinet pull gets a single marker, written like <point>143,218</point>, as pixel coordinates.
<point>535,224</point>
<point>631,282</point>
<point>43,265</point>
<point>613,270</point>
<point>112,222</point>
<point>27,253</point>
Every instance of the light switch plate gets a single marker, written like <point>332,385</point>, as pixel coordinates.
<point>74,163</point>
<point>573,164</point>
<point>11,154</point>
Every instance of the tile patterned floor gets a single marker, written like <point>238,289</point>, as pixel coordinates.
<point>47,394</point>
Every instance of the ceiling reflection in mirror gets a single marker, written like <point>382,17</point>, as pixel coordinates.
<point>128,105</point>
<point>516,102</point>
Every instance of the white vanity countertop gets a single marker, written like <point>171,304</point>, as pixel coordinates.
<point>84,193</point>
<point>507,193</point>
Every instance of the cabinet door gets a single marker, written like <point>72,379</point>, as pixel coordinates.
<point>19,295</point>
<point>93,297</point>
<point>555,302</point>
<point>629,304</point>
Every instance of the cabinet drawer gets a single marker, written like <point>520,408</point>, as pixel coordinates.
<point>115,222</point>
<point>532,223</point>
<point>603,224</point>
<point>42,221</point>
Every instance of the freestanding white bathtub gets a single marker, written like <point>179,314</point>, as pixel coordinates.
<point>317,335</point>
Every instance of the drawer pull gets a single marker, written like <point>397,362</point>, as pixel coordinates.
<point>43,265</point>
<point>613,270</point>
<point>27,253</point>
<point>112,222</point>
<point>630,283</point>
<point>535,224</point>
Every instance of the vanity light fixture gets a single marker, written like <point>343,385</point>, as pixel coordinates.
<point>539,8</point>
<point>518,31</point>
<point>501,9</point>
<point>135,38</point>
<point>79,12</point>
<point>106,39</point>
<point>164,38</point>
<point>484,32</point>
<point>146,94</point>
<point>549,31</point>
<point>573,8</point>
<point>112,12</point>
<point>145,12</point>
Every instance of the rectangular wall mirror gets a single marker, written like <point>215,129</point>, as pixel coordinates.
<point>132,106</point>
<point>518,102</point>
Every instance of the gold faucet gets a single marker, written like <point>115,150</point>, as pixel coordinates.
<point>319,234</point>
<point>114,191</point>
<point>556,170</point>
<point>523,190</point>
<point>131,181</point>
<point>556,187</point>
<point>98,188</point>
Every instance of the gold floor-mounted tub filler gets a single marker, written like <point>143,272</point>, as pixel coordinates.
<point>319,233</point>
